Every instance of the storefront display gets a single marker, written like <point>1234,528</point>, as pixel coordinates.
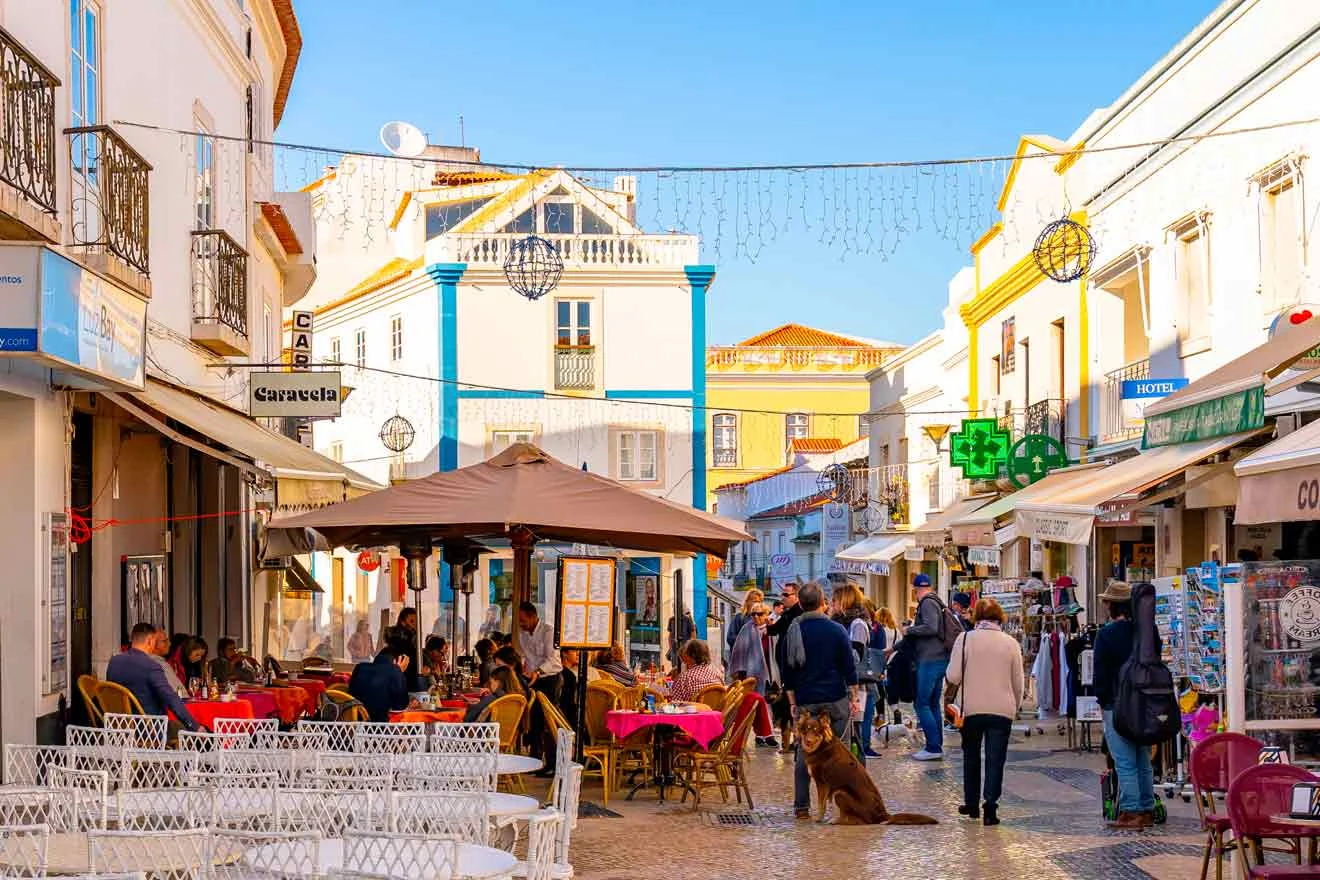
<point>1281,601</point>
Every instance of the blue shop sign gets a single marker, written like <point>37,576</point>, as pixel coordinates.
<point>1144,389</point>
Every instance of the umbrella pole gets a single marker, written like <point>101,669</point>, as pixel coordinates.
<point>522,573</point>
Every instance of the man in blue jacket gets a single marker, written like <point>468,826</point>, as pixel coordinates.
<point>382,685</point>
<point>142,674</point>
<point>819,670</point>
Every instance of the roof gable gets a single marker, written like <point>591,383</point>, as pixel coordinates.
<point>529,191</point>
<point>801,336</point>
<point>1042,143</point>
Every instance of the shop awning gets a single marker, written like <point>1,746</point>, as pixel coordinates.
<point>977,527</point>
<point>297,579</point>
<point>1231,399</point>
<point>1280,482</point>
<point>303,477</point>
<point>871,555</point>
<point>934,531</point>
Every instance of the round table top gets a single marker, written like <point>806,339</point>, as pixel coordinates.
<point>502,805</point>
<point>473,860</point>
<point>1285,819</point>
<point>509,765</point>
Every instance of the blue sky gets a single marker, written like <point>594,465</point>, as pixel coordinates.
<point>731,82</point>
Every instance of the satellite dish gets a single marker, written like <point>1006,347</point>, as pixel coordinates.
<point>403,139</point>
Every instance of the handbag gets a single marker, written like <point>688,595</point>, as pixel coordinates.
<point>954,712</point>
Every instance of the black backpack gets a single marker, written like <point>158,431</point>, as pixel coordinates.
<point>1146,710</point>
<point>901,674</point>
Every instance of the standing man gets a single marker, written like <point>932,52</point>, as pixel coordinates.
<point>791,609</point>
<point>820,675</point>
<point>931,633</point>
<point>961,603</point>
<point>542,665</point>
<point>1113,647</point>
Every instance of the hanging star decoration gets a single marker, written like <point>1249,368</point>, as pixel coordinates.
<point>1033,457</point>
<point>980,448</point>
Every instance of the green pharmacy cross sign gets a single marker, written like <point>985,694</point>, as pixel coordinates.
<point>1033,457</point>
<point>980,449</point>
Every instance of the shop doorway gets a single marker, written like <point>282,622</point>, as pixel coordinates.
<point>80,562</point>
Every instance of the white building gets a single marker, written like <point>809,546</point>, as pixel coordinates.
<point>604,371</point>
<point>137,265</point>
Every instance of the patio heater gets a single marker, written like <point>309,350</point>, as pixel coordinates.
<point>458,556</point>
<point>416,550</point>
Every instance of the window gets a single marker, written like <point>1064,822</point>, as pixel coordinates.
<point>864,425</point>
<point>524,223</point>
<point>361,345</point>
<point>267,331</point>
<point>637,455</point>
<point>572,323</point>
<point>85,110</point>
<point>1008,345</point>
<point>725,439</point>
<point>1282,236</point>
<point>503,439</point>
<point>593,225</point>
<point>396,338</point>
<point>334,350</point>
<point>558,218</point>
<point>1191,262</point>
<point>442,218</point>
<point>203,178</point>
<point>337,451</point>
<point>796,426</point>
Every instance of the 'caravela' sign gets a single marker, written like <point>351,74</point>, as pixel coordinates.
<point>300,395</point>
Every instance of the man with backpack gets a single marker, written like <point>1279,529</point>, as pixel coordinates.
<point>1113,649</point>
<point>931,635</point>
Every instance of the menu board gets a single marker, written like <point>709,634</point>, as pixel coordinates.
<point>586,602</point>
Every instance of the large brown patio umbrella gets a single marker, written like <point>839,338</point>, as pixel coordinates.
<point>522,494</point>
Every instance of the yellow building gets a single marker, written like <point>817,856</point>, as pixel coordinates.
<point>792,383</point>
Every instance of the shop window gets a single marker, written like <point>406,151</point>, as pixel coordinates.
<point>501,440</point>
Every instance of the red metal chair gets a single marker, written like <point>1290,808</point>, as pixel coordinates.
<point>1215,761</point>
<point>1256,795</point>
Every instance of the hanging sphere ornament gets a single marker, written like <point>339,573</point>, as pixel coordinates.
<point>835,483</point>
<point>397,433</point>
<point>1064,250</point>
<point>533,267</point>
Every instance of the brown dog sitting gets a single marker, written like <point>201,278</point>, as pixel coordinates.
<point>841,778</point>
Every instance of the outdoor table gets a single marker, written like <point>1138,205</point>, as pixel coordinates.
<point>473,860</point>
<point>704,727</point>
<point>313,687</point>
<point>512,765</point>
<point>204,712</point>
<point>290,702</point>
<point>427,716</point>
<point>67,853</point>
<point>263,704</point>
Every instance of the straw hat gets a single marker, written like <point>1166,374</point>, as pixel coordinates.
<point>1117,591</point>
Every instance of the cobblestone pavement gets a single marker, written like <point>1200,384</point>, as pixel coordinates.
<point>1051,828</point>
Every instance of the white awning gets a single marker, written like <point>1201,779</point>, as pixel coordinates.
<point>871,555</point>
<point>934,531</point>
<point>1280,482</point>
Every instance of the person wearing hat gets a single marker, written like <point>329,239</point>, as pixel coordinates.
<point>926,635</point>
<point>1113,647</point>
<point>961,603</point>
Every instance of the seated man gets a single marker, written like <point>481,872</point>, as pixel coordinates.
<point>233,665</point>
<point>382,685</point>
<point>698,672</point>
<point>138,671</point>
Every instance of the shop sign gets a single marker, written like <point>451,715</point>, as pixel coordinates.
<point>1230,414</point>
<point>1113,515</point>
<point>1299,314</point>
<point>835,523</point>
<point>846,566</point>
<point>970,534</point>
<point>914,554</point>
<point>983,556</point>
<point>980,448</point>
<point>1145,389</point>
<point>782,565</point>
<point>59,311</point>
<point>1299,611</point>
<point>1066,528</point>
<point>296,395</point>
<point>300,346</point>
<point>368,561</point>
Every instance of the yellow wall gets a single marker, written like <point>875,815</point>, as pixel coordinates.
<point>762,446</point>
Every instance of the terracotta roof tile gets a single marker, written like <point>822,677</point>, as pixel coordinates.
<point>815,444</point>
<point>284,14</point>
<point>800,336</point>
<point>279,222</point>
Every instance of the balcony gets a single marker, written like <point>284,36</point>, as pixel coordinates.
<point>110,204</point>
<point>1046,417</point>
<point>727,357</point>
<point>725,458</point>
<point>575,367</point>
<point>889,497</point>
<point>619,252</point>
<point>27,146</point>
<point>1122,420</point>
<point>220,303</point>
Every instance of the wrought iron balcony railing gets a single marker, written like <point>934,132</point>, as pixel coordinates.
<point>110,199</point>
<point>1116,421</point>
<point>27,123</point>
<point>219,281</point>
<point>575,367</point>
<point>1046,417</point>
<point>725,458</point>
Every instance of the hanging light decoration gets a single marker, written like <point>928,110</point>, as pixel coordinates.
<point>533,267</point>
<point>397,433</point>
<point>1064,250</point>
<point>835,483</point>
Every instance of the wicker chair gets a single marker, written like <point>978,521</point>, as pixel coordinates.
<point>350,713</point>
<point>87,688</point>
<point>117,698</point>
<point>712,695</point>
<point>601,748</point>
<point>507,712</point>
<point>719,767</point>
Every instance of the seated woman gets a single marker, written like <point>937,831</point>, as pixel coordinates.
<point>508,658</point>
<point>485,649</point>
<point>503,682</point>
<point>611,662</point>
<point>188,660</point>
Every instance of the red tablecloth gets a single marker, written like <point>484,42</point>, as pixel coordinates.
<point>454,704</point>
<point>263,704</point>
<point>289,702</point>
<point>705,727</point>
<point>420,716</point>
<point>313,687</point>
<point>204,712</point>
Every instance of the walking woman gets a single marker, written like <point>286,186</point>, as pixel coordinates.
<point>986,666</point>
<point>744,616</point>
<point>748,657</point>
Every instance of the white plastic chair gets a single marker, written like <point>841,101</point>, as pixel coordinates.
<point>365,743</point>
<point>202,741</point>
<point>259,855</point>
<point>92,794</point>
<point>163,809</point>
<point>244,809</point>
<point>148,768</point>
<point>329,812</point>
<point>446,815</point>
<point>399,855</point>
<point>352,770</point>
<point>459,738</point>
<point>23,850</point>
<point>250,727</point>
<point>149,731</point>
<point>230,779</point>
<point>179,853</point>
<point>282,762</point>
<point>294,740</point>
<point>98,748</point>
<point>563,757</point>
<point>55,808</point>
<point>338,734</point>
<point>543,831</point>
<point>26,765</point>
<point>466,771</point>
